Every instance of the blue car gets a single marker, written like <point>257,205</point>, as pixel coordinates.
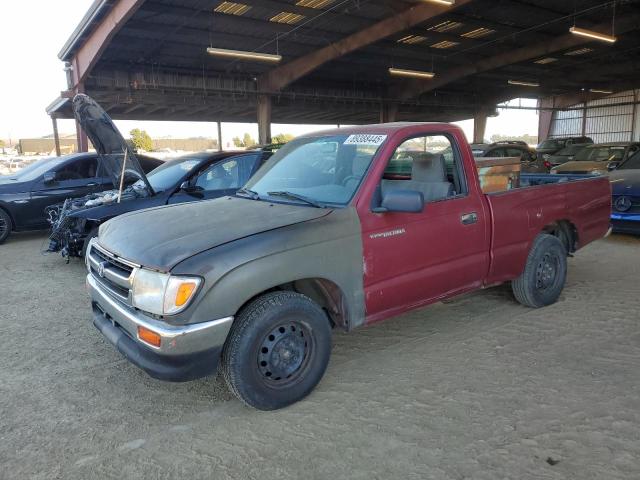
<point>625,185</point>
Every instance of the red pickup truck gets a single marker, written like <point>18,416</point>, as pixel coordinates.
<point>338,229</point>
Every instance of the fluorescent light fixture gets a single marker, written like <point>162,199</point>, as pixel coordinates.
<point>401,72</point>
<point>595,90</point>
<point>523,84</point>
<point>443,2</point>
<point>591,34</point>
<point>243,55</point>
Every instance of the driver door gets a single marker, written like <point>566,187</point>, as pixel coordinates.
<point>76,178</point>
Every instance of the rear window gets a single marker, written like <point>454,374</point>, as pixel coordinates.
<point>552,143</point>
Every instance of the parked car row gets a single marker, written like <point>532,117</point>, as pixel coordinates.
<point>329,232</point>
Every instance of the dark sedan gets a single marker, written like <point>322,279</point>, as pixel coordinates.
<point>199,176</point>
<point>566,154</point>
<point>529,161</point>
<point>625,186</point>
<point>26,194</point>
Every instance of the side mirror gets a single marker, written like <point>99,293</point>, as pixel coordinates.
<point>612,166</point>
<point>403,201</point>
<point>49,178</point>
<point>185,186</point>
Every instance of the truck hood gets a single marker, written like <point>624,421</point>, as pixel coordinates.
<point>160,238</point>
<point>107,140</point>
<point>625,182</point>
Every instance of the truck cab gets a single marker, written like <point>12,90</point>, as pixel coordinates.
<point>338,229</point>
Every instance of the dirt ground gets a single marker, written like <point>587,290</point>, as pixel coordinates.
<point>476,388</point>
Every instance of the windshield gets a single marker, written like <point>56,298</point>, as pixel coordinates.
<point>571,150</point>
<point>326,169</point>
<point>552,143</point>
<point>604,153</point>
<point>169,174</point>
<point>632,163</point>
<point>34,170</point>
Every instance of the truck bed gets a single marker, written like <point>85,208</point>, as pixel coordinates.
<point>581,202</point>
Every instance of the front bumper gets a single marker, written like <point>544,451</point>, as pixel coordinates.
<point>626,222</point>
<point>186,352</point>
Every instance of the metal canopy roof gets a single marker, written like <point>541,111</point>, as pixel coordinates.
<point>153,64</point>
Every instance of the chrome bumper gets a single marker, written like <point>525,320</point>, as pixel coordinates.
<point>175,340</point>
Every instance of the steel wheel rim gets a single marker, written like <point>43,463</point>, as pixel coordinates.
<point>284,354</point>
<point>547,271</point>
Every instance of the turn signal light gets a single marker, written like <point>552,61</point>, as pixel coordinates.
<point>184,293</point>
<point>147,336</point>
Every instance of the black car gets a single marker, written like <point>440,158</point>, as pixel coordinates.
<point>200,176</point>
<point>553,145</point>
<point>26,194</point>
<point>530,163</point>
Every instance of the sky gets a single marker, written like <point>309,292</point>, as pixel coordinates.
<point>31,77</point>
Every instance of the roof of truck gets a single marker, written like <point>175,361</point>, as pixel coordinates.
<point>377,128</point>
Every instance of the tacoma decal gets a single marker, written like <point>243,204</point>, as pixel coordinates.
<point>390,233</point>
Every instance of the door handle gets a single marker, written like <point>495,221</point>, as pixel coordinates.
<point>469,218</point>
<point>92,184</point>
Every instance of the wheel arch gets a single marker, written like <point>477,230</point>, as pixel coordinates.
<point>566,231</point>
<point>326,293</point>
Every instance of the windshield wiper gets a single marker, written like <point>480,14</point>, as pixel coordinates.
<point>245,192</point>
<point>296,196</point>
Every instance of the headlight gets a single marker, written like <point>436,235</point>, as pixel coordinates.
<point>162,294</point>
<point>86,255</point>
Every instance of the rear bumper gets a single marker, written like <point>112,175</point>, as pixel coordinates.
<point>186,352</point>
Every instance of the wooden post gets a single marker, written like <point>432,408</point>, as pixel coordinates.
<point>264,119</point>
<point>56,137</point>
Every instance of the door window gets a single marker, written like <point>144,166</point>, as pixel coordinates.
<point>426,164</point>
<point>230,174</point>
<point>81,169</point>
<point>516,152</point>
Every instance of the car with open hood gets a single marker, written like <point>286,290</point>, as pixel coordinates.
<point>26,194</point>
<point>338,229</point>
<point>598,159</point>
<point>189,178</point>
<point>625,185</point>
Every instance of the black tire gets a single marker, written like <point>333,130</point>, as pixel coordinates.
<point>5,226</point>
<point>92,234</point>
<point>277,350</point>
<point>544,273</point>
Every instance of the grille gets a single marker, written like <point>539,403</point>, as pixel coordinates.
<point>112,273</point>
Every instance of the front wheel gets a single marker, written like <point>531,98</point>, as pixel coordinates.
<point>5,225</point>
<point>544,274</point>
<point>277,351</point>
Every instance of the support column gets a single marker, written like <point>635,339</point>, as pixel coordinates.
<point>388,112</point>
<point>56,137</point>
<point>219,136</point>
<point>479,127</point>
<point>264,119</point>
<point>545,118</point>
<point>81,138</point>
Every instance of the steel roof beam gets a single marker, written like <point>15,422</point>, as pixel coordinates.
<point>284,75</point>
<point>411,89</point>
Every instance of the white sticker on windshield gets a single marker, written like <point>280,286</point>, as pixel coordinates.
<point>365,139</point>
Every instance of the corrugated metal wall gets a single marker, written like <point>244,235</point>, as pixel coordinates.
<point>604,122</point>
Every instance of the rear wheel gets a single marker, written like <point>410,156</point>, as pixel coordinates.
<point>5,226</point>
<point>277,351</point>
<point>545,273</point>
